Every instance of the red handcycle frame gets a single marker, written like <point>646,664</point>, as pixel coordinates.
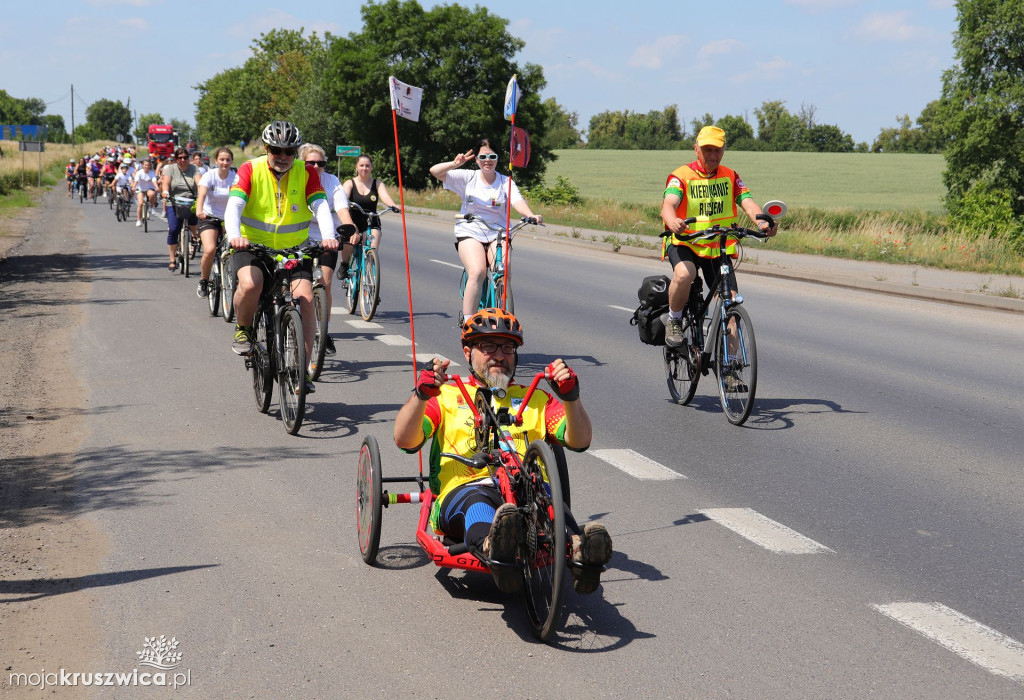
<point>545,532</point>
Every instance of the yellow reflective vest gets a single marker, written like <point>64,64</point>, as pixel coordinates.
<point>712,200</point>
<point>276,213</point>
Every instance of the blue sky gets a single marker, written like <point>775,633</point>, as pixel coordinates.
<point>859,63</point>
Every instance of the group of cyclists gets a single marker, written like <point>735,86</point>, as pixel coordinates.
<point>278,203</point>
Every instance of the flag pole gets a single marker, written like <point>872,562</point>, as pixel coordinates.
<point>508,220</point>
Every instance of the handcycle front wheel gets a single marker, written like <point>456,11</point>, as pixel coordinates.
<point>736,366</point>
<point>369,499</point>
<point>292,371</point>
<point>369,286</point>
<point>546,550</point>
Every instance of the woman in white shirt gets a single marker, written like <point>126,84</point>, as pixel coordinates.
<point>485,194</point>
<point>316,156</point>
<point>145,182</point>
<point>212,198</point>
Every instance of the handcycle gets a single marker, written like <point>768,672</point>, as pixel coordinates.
<point>537,484</point>
<point>717,333</point>
<point>362,284</point>
<point>493,292</point>
<point>278,350</point>
<point>321,310</point>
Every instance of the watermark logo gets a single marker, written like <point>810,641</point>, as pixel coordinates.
<point>159,652</point>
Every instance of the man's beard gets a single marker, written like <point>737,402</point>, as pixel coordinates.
<point>497,376</point>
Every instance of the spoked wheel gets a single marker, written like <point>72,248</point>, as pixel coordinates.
<point>499,295</point>
<point>213,288</point>
<point>369,286</point>
<point>195,245</point>
<point>145,215</point>
<point>262,363</point>
<point>369,499</point>
<point>736,366</point>
<point>320,340</point>
<point>682,367</point>
<point>117,212</point>
<point>179,258</point>
<point>227,283</point>
<point>350,287</point>
<point>291,380</point>
<point>185,244</point>
<point>545,547</point>
<point>110,199</point>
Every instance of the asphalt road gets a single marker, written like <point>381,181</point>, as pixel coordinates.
<point>859,537</point>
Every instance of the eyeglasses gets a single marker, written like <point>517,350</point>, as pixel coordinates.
<point>487,156</point>
<point>290,152</point>
<point>489,348</point>
<point>182,158</point>
<point>316,163</point>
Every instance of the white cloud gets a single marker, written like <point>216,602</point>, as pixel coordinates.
<point>764,71</point>
<point>136,24</point>
<point>654,56</point>
<point>889,26</point>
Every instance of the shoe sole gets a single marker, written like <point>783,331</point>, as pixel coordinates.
<point>505,536</point>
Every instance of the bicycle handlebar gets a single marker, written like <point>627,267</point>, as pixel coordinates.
<point>385,210</point>
<point>305,250</point>
<point>526,399</point>
<point>523,221</point>
<point>718,231</point>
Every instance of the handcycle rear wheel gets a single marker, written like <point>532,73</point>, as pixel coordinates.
<point>291,380</point>
<point>736,367</point>
<point>369,286</point>
<point>320,340</point>
<point>545,549</point>
<point>262,362</point>
<point>369,499</point>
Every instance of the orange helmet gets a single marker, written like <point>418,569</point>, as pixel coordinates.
<point>492,323</point>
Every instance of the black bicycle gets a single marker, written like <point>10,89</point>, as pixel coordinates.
<point>717,333</point>
<point>215,285</point>
<point>278,350</point>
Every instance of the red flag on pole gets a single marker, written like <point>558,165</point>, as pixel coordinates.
<point>520,147</point>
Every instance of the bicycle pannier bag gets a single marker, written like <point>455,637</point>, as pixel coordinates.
<point>653,292</point>
<point>649,324</point>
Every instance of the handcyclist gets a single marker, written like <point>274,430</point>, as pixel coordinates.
<point>144,182</point>
<point>366,191</point>
<point>709,191</point>
<point>214,187</point>
<point>469,505</point>
<point>315,156</point>
<point>485,194</point>
<point>178,181</point>
<point>272,203</point>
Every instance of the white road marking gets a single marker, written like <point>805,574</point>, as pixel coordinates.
<point>635,464</point>
<point>423,356</point>
<point>397,340</point>
<point>442,262</point>
<point>971,640</point>
<point>620,308</point>
<point>763,531</point>
<point>361,324</point>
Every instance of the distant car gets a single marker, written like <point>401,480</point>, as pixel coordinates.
<point>191,147</point>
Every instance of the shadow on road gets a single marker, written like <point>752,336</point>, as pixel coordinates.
<point>34,589</point>
<point>779,414</point>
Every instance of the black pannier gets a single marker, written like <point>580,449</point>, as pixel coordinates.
<point>653,292</point>
<point>649,324</point>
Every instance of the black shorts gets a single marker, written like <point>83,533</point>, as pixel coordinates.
<point>707,267</point>
<point>329,258</point>
<point>211,223</point>
<point>243,258</point>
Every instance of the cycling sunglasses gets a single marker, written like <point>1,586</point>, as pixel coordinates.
<point>317,163</point>
<point>290,152</point>
<point>487,156</point>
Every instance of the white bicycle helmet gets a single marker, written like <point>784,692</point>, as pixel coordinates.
<point>282,134</point>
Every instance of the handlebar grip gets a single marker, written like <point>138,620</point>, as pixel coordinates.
<point>464,217</point>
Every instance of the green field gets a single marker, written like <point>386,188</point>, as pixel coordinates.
<point>857,181</point>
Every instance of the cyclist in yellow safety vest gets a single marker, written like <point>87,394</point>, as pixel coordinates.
<point>272,203</point>
<point>712,193</point>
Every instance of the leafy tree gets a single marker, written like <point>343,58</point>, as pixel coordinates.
<point>982,110</point>
<point>183,129</point>
<point>55,129</point>
<point>145,121</point>
<point>462,58</point>
<point>828,138</point>
<point>562,126</point>
<point>739,135</point>
<point>108,119</point>
<point>13,110</point>
<point>779,129</point>
<point>656,130</point>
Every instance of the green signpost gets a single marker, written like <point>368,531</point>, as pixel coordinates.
<point>348,151</point>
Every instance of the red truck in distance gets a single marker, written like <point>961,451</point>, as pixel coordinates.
<point>162,140</point>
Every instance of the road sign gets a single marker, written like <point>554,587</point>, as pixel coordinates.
<point>31,146</point>
<point>349,151</point>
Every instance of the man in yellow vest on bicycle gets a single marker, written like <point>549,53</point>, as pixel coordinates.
<point>712,193</point>
<point>271,203</point>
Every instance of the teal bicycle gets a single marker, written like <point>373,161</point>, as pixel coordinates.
<point>493,294</point>
<point>361,286</point>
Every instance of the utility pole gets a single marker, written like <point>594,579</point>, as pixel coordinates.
<point>72,116</point>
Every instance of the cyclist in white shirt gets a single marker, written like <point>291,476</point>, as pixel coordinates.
<point>485,194</point>
<point>145,182</point>
<point>123,181</point>
<point>316,156</point>
<point>213,188</point>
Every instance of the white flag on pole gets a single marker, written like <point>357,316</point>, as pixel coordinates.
<point>405,99</point>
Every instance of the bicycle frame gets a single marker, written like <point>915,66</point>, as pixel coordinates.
<point>495,277</point>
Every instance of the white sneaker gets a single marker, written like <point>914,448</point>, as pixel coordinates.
<point>138,223</point>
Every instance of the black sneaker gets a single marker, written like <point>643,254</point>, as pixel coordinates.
<point>310,386</point>
<point>342,271</point>
<point>203,290</point>
<point>329,345</point>
<point>502,545</point>
<point>674,332</point>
